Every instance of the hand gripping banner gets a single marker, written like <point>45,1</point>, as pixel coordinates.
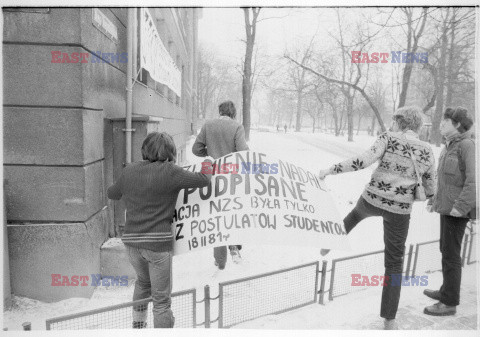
<point>256,199</point>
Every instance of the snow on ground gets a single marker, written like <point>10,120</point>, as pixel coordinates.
<point>311,151</point>
<point>361,310</point>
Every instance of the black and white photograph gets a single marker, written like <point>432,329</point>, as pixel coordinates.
<point>245,167</point>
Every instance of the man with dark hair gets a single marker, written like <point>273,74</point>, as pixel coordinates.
<point>455,201</point>
<point>217,138</point>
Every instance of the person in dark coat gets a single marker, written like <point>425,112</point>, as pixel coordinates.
<point>217,138</point>
<point>455,201</point>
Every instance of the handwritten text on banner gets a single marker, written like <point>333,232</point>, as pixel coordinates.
<point>265,201</point>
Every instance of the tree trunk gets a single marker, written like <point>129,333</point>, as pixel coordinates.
<point>350,117</point>
<point>359,122</point>
<point>373,125</point>
<point>436,136</point>
<point>412,47</point>
<point>250,28</point>
<point>335,122</point>
<point>298,121</point>
<point>451,61</point>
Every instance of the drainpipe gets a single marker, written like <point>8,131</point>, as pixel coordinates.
<point>128,118</point>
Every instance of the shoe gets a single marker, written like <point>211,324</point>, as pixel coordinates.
<point>324,252</point>
<point>219,267</point>
<point>390,324</point>
<point>435,294</point>
<point>236,257</point>
<point>440,309</point>
<point>139,325</point>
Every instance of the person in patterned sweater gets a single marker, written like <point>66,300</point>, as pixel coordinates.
<point>390,193</point>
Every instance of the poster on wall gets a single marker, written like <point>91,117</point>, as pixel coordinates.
<point>154,57</point>
<point>256,199</point>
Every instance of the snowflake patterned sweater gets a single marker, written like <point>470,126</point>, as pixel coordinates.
<point>393,182</point>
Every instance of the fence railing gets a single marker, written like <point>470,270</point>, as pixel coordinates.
<point>271,293</point>
<point>363,264</point>
<point>426,258</point>
<point>120,316</point>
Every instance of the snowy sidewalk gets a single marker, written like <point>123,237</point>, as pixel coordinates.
<point>361,310</point>
<point>358,310</point>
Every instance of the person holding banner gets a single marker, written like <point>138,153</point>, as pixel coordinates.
<point>150,189</point>
<point>217,138</point>
<point>455,201</point>
<point>403,159</point>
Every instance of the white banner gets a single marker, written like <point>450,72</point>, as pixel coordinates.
<point>154,57</point>
<point>256,199</point>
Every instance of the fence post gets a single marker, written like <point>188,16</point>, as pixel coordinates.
<point>464,253</point>
<point>470,249</point>
<point>332,277</point>
<point>409,260</point>
<point>415,260</point>
<point>27,326</point>
<point>322,282</point>
<point>207,306</point>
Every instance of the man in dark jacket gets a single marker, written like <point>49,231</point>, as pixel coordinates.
<point>456,202</point>
<point>217,138</point>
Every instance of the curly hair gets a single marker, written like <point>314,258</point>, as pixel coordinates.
<point>159,146</point>
<point>409,118</point>
<point>227,109</point>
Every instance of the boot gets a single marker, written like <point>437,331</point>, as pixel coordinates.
<point>434,294</point>
<point>440,309</point>
<point>139,325</point>
<point>324,252</point>
<point>390,324</point>
<point>219,267</point>
<point>236,257</point>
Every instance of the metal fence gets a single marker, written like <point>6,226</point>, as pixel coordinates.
<point>271,293</point>
<point>120,316</point>
<point>472,249</point>
<point>428,257</point>
<point>363,264</point>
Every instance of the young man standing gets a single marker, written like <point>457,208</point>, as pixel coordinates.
<point>217,138</point>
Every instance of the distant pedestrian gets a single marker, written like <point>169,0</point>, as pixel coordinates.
<point>217,138</point>
<point>455,201</point>
<point>285,127</point>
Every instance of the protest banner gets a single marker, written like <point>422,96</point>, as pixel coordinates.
<point>154,57</point>
<point>259,200</point>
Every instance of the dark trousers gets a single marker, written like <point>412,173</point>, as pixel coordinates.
<point>220,255</point>
<point>451,235</point>
<point>395,231</point>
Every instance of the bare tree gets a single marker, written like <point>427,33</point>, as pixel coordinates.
<point>413,36</point>
<point>352,85</point>
<point>251,30</point>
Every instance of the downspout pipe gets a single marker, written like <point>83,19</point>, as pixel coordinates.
<point>129,87</point>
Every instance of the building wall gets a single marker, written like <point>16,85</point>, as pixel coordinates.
<point>58,136</point>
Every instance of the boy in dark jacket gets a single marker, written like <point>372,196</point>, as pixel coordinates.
<point>455,201</point>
